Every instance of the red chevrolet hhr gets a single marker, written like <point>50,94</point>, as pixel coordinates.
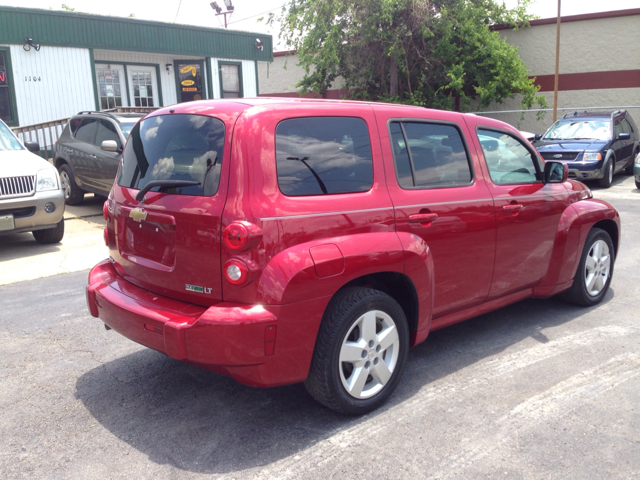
<point>281,241</point>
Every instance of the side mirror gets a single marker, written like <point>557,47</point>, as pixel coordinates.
<point>555,172</point>
<point>537,137</point>
<point>624,136</point>
<point>33,147</point>
<point>109,146</point>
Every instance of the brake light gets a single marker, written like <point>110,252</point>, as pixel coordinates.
<point>236,271</point>
<point>105,210</point>
<point>235,236</point>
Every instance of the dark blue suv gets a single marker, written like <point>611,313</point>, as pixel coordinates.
<point>594,145</point>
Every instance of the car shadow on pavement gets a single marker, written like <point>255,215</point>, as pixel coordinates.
<point>21,245</point>
<point>201,422</point>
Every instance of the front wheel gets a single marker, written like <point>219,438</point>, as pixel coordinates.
<point>50,235</point>
<point>595,270</point>
<point>360,352</point>
<point>72,193</point>
<point>605,181</point>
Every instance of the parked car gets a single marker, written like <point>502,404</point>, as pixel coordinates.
<point>87,154</point>
<point>283,241</point>
<point>594,145</point>
<point>31,199</point>
<point>636,170</point>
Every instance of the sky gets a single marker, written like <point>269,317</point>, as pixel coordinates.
<point>246,13</point>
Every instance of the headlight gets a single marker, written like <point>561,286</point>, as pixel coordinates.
<point>47,179</point>
<point>592,156</point>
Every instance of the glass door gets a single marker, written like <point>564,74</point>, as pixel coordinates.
<point>111,90</point>
<point>190,79</point>
<point>143,86</point>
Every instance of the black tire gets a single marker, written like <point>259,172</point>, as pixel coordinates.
<point>72,193</point>
<point>50,235</point>
<point>605,181</point>
<point>637,184</point>
<point>579,291</point>
<point>342,323</point>
<point>629,168</point>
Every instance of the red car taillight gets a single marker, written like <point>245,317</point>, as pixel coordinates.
<point>236,271</point>
<point>235,236</point>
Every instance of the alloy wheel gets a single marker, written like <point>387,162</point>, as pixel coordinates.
<point>597,268</point>
<point>369,354</point>
<point>66,184</point>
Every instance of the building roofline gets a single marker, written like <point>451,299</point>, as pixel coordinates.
<point>576,18</point>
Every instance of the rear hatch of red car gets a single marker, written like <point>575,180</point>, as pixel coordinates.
<point>167,204</point>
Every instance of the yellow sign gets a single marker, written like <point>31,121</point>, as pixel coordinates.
<point>188,83</point>
<point>190,89</point>
<point>189,68</point>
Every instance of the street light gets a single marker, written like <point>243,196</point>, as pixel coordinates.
<point>218,9</point>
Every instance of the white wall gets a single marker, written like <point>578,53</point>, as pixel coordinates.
<point>249,86</point>
<point>282,75</point>
<point>63,85</point>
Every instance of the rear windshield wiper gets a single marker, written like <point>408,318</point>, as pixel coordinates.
<point>164,184</point>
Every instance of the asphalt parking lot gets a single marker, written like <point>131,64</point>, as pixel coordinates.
<point>539,389</point>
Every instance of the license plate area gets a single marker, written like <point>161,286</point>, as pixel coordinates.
<point>6,222</point>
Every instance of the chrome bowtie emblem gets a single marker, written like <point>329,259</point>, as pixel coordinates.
<point>557,155</point>
<point>138,214</point>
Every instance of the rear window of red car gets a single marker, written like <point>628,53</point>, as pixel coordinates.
<point>174,147</point>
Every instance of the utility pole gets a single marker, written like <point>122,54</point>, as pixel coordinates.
<point>228,5</point>
<point>555,83</point>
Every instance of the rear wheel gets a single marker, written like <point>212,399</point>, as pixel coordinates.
<point>629,169</point>
<point>637,184</point>
<point>50,235</point>
<point>595,270</point>
<point>606,180</point>
<point>72,193</point>
<point>360,352</point>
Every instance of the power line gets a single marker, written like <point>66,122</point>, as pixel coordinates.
<point>257,15</point>
<point>179,5</point>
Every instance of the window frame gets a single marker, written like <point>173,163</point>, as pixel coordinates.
<point>11,87</point>
<point>240,79</point>
<point>539,164</point>
<point>431,122</point>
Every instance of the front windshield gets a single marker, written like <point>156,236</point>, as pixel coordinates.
<point>7,140</point>
<point>126,128</point>
<point>580,130</point>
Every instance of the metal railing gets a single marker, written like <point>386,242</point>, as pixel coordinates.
<point>539,120</point>
<point>47,133</point>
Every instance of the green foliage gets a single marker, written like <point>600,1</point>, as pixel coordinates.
<point>68,8</point>
<point>436,53</point>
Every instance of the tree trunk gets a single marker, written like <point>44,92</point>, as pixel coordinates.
<point>393,77</point>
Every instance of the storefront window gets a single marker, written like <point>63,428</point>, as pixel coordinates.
<point>189,80</point>
<point>109,89</point>
<point>142,88</point>
<point>6,101</point>
<point>231,80</point>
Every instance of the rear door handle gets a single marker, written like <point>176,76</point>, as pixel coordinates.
<point>422,218</point>
<point>513,208</point>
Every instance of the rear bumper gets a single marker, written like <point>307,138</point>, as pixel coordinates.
<point>256,345</point>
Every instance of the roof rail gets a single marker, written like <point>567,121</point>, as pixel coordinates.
<point>574,114</point>
<point>94,112</point>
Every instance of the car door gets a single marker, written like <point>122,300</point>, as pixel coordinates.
<point>82,155</point>
<point>106,163</point>
<point>527,211</point>
<point>437,197</point>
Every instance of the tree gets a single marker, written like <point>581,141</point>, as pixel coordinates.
<point>436,53</point>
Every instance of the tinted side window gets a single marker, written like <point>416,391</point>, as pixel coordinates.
<point>508,160</point>
<point>106,131</point>
<point>174,147</point>
<point>429,155</point>
<point>323,155</point>
<point>85,131</point>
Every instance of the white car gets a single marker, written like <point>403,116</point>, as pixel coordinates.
<point>31,197</point>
